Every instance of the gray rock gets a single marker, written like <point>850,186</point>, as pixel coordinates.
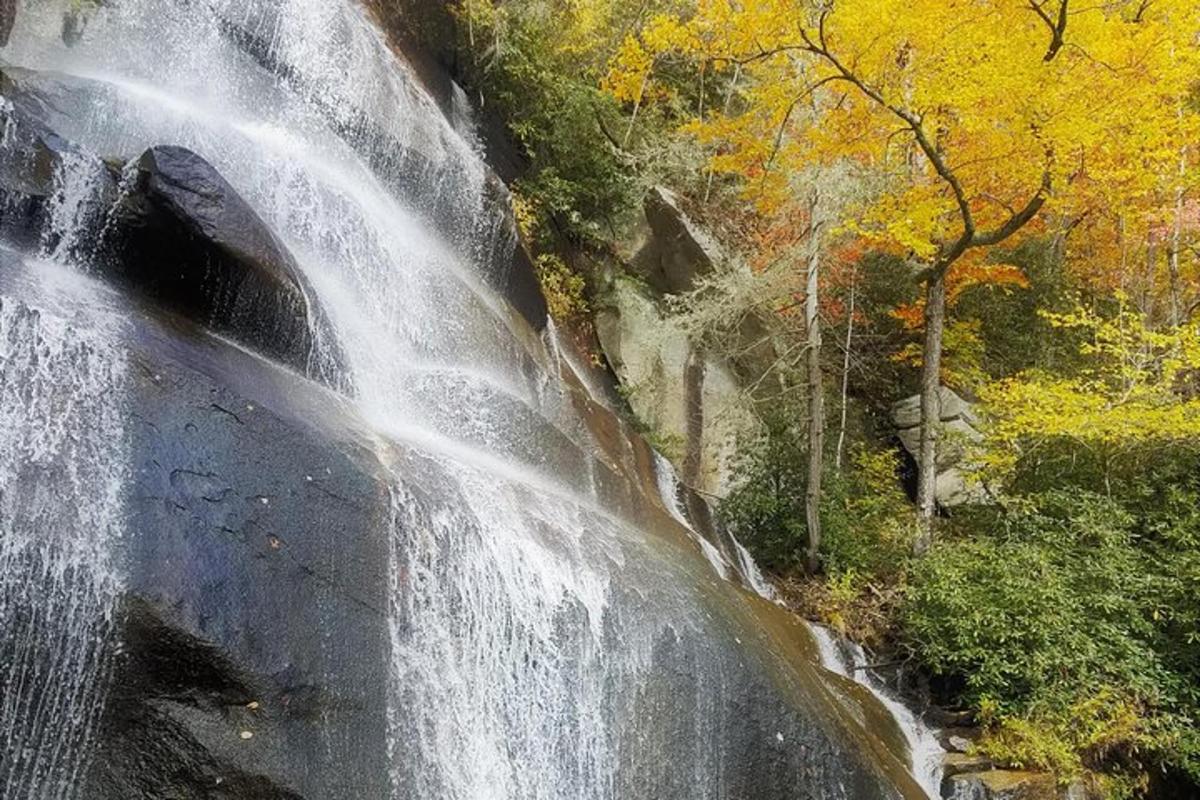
<point>183,237</point>
<point>955,488</point>
<point>693,402</point>
<point>906,413</point>
<point>677,250</point>
<point>254,577</point>
<point>958,744</point>
<point>959,763</point>
<point>1000,785</point>
<point>176,232</point>
<point>957,429</point>
<point>8,18</point>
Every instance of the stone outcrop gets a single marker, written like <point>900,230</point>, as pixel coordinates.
<point>1001,785</point>
<point>958,428</point>
<point>674,251</point>
<point>182,236</point>
<point>691,401</point>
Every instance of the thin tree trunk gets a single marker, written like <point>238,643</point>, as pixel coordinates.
<point>637,104</point>
<point>931,411</point>
<point>1177,242</point>
<point>816,395</point>
<point>841,443</point>
<point>1149,285</point>
<point>737,73</point>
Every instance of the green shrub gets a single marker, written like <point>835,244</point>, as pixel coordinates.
<point>1068,619</point>
<point>765,510</point>
<point>867,521</point>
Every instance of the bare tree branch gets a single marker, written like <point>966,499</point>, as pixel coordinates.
<point>1057,26</point>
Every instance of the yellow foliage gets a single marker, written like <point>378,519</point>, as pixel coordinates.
<point>525,214</point>
<point>1103,117</point>
<point>1138,390</point>
<point>1106,722</point>
<point>628,83</point>
<point>563,288</point>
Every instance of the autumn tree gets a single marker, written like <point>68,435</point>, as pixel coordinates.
<point>981,121</point>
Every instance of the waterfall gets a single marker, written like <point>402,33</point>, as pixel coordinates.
<point>61,432</point>
<point>555,630</point>
<point>850,661</point>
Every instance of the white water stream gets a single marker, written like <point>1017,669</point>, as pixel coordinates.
<point>61,433</point>
<point>850,661</point>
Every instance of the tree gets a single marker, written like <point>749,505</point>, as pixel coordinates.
<point>979,121</point>
<point>1136,395</point>
<point>816,388</point>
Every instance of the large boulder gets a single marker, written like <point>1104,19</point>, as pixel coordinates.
<point>675,251</point>
<point>957,429</point>
<point>907,412</point>
<point>174,230</point>
<point>254,534</point>
<point>182,236</point>
<point>690,399</point>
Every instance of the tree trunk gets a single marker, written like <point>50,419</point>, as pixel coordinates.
<point>8,18</point>
<point>931,411</point>
<point>816,399</point>
<point>841,442</point>
<point>1177,242</point>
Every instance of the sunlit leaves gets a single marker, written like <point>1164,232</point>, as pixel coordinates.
<point>1103,117</point>
<point>1138,391</point>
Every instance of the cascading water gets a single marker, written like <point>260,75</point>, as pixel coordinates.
<point>61,431</point>
<point>850,661</point>
<point>556,630</point>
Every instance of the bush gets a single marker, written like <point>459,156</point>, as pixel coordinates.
<point>867,521</point>
<point>1068,621</point>
<point>564,289</point>
<point>765,510</point>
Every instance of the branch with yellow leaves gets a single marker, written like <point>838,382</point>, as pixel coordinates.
<point>970,236</point>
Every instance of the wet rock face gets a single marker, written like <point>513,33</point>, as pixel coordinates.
<point>248,654</point>
<point>181,235</point>
<point>169,226</point>
<point>32,160</point>
<point>254,535</point>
